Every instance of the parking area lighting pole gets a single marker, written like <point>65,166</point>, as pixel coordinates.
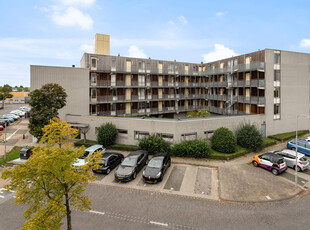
<point>5,143</point>
<point>296,149</point>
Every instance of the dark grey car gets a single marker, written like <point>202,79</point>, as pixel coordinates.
<point>131,166</point>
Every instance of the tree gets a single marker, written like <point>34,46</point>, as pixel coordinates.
<point>5,93</point>
<point>199,113</point>
<point>45,103</point>
<point>19,89</point>
<point>57,132</point>
<point>50,185</point>
<point>107,134</point>
<point>84,130</point>
<point>26,89</point>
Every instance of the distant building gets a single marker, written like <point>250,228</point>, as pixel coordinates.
<point>267,87</point>
<point>18,98</point>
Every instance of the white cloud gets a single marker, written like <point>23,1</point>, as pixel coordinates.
<point>73,17</point>
<point>182,19</point>
<point>78,2</point>
<point>219,14</point>
<point>134,51</point>
<point>87,48</point>
<point>220,52</point>
<point>305,43</point>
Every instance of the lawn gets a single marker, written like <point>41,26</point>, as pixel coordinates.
<point>12,155</point>
<point>224,156</point>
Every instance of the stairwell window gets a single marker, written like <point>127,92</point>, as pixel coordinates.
<point>277,58</point>
<point>93,94</point>
<point>93,78</point>
<point>93,63</point>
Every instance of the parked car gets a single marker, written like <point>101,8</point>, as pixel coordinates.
<point>18,112</point>
<point>307,139</point>
<point>2,123</point>
<point>156,168</point>
<point>270,161</point>
<point>290,159</point>
<point>131,166</point>
<point>109,162</point>
<point>9,118</point>
<point>14,116</point>
<point>1,128</point>
<point>7,122</point>
<point>87,153</point>
<point>302,146</point>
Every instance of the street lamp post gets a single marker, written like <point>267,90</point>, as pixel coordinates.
<point>4,143</point>
<point>296,149</point>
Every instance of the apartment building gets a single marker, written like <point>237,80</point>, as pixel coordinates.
<point>268,87</point>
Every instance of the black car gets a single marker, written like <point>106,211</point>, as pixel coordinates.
<point>156,168</point>
<point>109,162</point>
<point>131,166</point>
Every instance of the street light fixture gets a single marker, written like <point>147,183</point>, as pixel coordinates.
<point>296,149</point>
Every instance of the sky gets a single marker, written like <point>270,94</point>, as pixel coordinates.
<point>58,32</point>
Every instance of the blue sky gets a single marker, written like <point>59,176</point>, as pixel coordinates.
<point>57,32</point>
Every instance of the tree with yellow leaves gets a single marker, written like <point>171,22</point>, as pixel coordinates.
<point>48,182</point>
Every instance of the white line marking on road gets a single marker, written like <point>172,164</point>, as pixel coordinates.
<point>12,135</point>
<point>303,182</point>
<point>1,189</point>
<point>1,196</point>
<point>96,212</point>
<point>268,197</point>
<point>158,223</point>
<point>12,191</point>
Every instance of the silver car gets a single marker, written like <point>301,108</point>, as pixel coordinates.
<point>290,159</point>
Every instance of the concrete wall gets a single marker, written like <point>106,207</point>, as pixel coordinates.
<point>294,91</point>
<point>165,126</point>
<point>74,80</point>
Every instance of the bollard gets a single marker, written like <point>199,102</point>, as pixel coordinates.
<point>23,136</point>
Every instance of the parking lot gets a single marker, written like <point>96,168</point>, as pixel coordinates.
<point>179,179</point>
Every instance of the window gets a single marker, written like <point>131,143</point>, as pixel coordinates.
<point>277,58</point>
<point>141,66</point>
<point>122,133</point>
<point>209,134</point>
<point>167,137</point>
<point>93,78</point>
<point>276,75</point>
<point>188,136</point>
<point>276,92</point>
<point>171,68</point>
<point>148,67</point>
<point>141,134</point>
<point>113,65</point>
<point>94,63</point>
<point>236,62</point>
<point>93,109</point>
<point>276,110</point>
<point>93,94</point>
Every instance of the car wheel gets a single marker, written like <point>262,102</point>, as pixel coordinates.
<point>134,175</point>
<point>169,164</point>
<point>293,149</point>
<point>108,171</point>
<point>255,163</point>
<point>298,168</point>
<point>275,172</point>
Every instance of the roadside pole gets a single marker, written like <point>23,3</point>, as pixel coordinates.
<point>5,142</point>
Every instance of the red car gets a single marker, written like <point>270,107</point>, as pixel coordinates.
<point>1,127</point>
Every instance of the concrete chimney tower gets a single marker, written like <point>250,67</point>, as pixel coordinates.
<point>102,44</point>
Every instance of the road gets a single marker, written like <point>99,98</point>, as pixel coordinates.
<point>124,208</point>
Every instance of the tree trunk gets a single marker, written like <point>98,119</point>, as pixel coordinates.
<point>3,103</point>
<point>69,227</point>
<point>84,134</point>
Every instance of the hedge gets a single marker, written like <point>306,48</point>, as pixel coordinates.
<point>268,142</point>
<point>193,148</point>
<point>124,147</point>
<point>87,144</point>
<point>223,140</point>
<point>249,137</point>
<point>288,136</point>
<point>107,134</point>
<point>240,151</point>
<point>154,144</point>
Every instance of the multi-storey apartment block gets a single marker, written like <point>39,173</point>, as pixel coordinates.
<point>270,85</point>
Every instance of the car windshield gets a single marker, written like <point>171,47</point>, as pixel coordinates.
<point>129,161</point>
<point>303,159</point>
<point>155,163</point>
<point>86,153</point>
<point>280,161</point>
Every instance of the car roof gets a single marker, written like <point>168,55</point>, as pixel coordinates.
<point>136,153</point>
<point>302,141</point>
<point>273,155</point>
<point>93,147</point>
<point>293,153</point>
<point>106,155</point>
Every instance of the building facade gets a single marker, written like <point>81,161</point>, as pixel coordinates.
<point>268,87</point>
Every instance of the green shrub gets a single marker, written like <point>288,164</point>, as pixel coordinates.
<point>107,134</point>
<point>268,142</point>
<point>249,137</point>
<point>124,147</point>
<point>12,155</point>
<point>194,148</point>
<point>223,141</point>
<point>154,144</point>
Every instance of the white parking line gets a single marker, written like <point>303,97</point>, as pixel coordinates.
<point>96,212</point>
<point>268,197</point>
<point>1,196</point>
<point>12,135</point>
<point>158,223</point>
